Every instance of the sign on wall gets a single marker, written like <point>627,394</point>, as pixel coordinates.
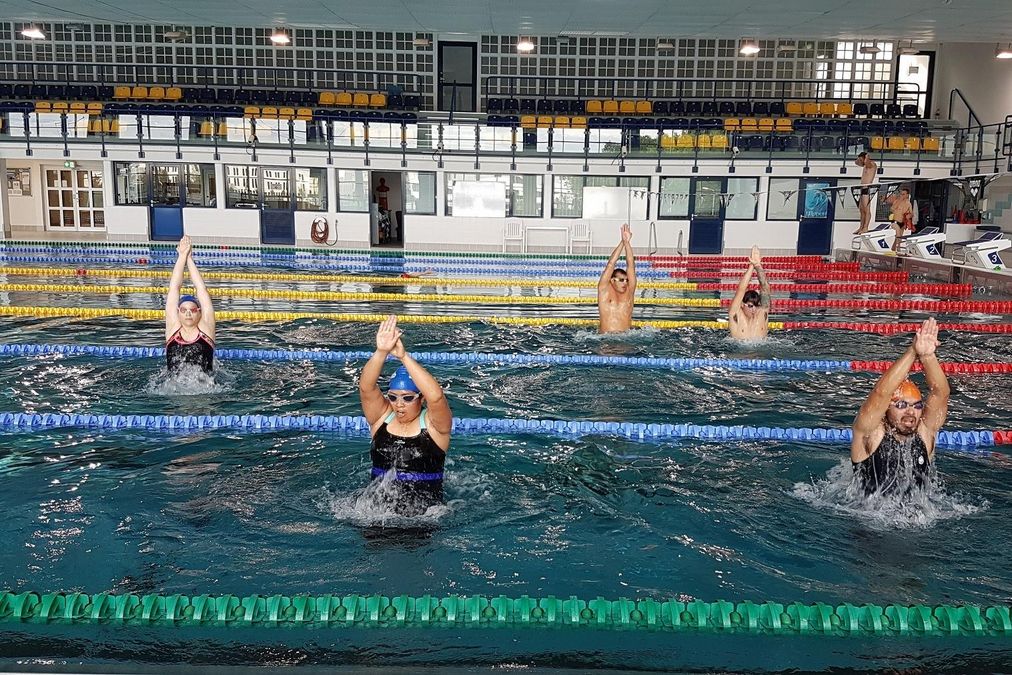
<point>19,182</point>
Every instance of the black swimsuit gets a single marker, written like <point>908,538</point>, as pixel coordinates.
<point>895,466</point>
<point>199,352</point>
<point>418,462</point>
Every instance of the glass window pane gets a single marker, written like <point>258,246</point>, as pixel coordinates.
<point>674,198</point>
<point>165,184</point>
<point>242,187</point>
<point>567,195</point>
<point>525,196</point>
<point>420,192</point>
<point>201,184</point>
<point>352,190</point>
<point>276,189</point>
<point>740,204</point>
<point>131,184</point>
<point>781,206</point>
<point>311,189</point>
<point>846,207</point>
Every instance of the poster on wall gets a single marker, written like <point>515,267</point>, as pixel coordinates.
<point>19,182</point>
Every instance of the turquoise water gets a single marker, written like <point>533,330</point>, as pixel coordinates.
<point>289,513</point>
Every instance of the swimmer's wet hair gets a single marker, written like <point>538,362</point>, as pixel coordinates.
<point>752,296</point>
<point>618,270</point>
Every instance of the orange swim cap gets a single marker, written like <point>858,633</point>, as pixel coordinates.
<point>907,389</point>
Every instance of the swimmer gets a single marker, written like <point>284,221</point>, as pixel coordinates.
<point>901,213</point>
<point>189,320</point>
<point>895,430</point>
<point>868,170</point>
<point>406,438</point>
<point>749,314</point>
<point>616,289</point>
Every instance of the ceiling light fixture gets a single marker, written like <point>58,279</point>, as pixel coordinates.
<point>33,32</point>
<point>421,42</point>
<point>909,49</point>
<point>749,48</point>
<point>1003,52</point>
<point>525,45</point>
<point>665,44</point>
<point>175,35</point>
<point>869,49</point>
<point>280,37</point>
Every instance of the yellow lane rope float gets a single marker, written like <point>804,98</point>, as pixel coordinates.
<point>335,278</point>
<point>340,296</point>
<point>157,314</point>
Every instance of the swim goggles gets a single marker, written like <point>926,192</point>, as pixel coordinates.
<point>407,398</point>
<point>903,405</point>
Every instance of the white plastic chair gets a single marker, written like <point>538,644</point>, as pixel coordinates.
<point>513,231</point>
<point>579,233</point>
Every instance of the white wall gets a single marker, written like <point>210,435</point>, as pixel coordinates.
<point>985,81</point>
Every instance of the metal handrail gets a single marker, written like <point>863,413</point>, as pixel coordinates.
<point>972,117</point>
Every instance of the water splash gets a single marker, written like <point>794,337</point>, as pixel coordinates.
<point>190,380</point>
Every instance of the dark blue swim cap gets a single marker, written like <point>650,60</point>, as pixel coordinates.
<point>188,298</point>
<point>401,381</point>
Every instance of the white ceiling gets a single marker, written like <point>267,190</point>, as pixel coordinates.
<point>918,20</point>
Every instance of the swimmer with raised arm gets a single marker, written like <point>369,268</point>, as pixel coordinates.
<point>749,314</point>
<point>893,445</point>
<point>408,440</point>
<point>189,320</point>
<point>616,289</point>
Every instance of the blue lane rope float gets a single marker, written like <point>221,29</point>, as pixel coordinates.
<point>441,357</point>
<point>357,425</point>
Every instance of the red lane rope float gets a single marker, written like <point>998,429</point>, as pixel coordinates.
<point>800,275</point>
<point>935,306</point>
<point>951,368</point>
<point>1002,437</point>
<point>894,328</point>
<point>810,267</point>
<point>734,258</point>
<point>951,290</point>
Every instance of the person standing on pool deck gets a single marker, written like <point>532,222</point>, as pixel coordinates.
<point>901,213</point>
<point>407,439</point>
<point>616,289</point>
<point>868,176</point>
<point>893,444</point>
<point>189,320</point>
<point>749,314</point>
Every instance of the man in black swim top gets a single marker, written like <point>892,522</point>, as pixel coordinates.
<point>893,444</point>
<point>408,441</point>
<point>189,320</point>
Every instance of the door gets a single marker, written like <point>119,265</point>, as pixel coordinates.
<point>706,228</point>
<point>277,208</point>
<point>457,76</point>
<point>815,217</point>
<point>74,199</point>
<point>166,202</point>
<point>914,76</point>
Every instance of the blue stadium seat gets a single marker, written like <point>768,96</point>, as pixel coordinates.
<point>493,106</point>
<point>742,109</point>
<point>528,106</point>
<point>876,109</point>
<point>894,110</point>
<point>709,109</point>
<point>577,107</point>
<point>677,108</point>
<point>910,110</point>
<point>560,106</point>
<point>861,110</point>
<point>511,105</point>
<point>545,106</point>
<point>661,108</point>
<point>726,108</point>
<point>761,109</point>
<point>777,108</point>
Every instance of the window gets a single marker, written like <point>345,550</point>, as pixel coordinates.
<point>201,185</point>
<point>311,189</point>
<point>674,198</point>
<point>782,202</point>
<point>739,203</point>
<point>846,206</point>
<point>352,190</point>
<point>523,192</point>
<point>132,184</point>
<point>420,192</point>
<point>567,191</point>
<point>242,187</point>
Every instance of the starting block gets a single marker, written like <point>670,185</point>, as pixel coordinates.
<point>926,244</point>
<point>982,252</point>
<point>878,240</point>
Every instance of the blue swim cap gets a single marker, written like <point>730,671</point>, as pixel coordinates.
<point>188,298</point>
<point>401,381</point>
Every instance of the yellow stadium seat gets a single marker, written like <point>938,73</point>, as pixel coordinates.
<point>139,91</point>
<point>578,123</point>
<point>110,126</point>
<point>544,121</point>
<point>286,113</point>
<point>561,122</point>
<point>686,141</point>
<point>766,124</point>
<point>378,101</point>
<point>668,142</point>
<point>644,108</point>
<point>844,109</point>
<point>343,98</point>
<point>94,126</point>
<point>43,106</point>
<point>269,112</point>
<point>810,109</point>
<point>206,128</point>
<point>749,125</point>
<point>611,107</point>
<point>360,99</point>
<point>528,121</point>
<point>173,94</point>
<point>877,142</point>
<point>794,108</point>
<point>595,107</point>
<point>251,111</point>
<point>121,93</point>
<point>327,98</point>
<point>79,108</point>
<point>784,125</point>
<point>719,142</point>
<point>827,109</point>
<point>930,144</point>
<point>304,114</point>
<point>912,143</point>
<point>156,93</point>
<point>896,143</point>
<point>703,141</point>
<point>732,124</point>
<point>60,106</point>
<point>94,108</point>
<point>626,107</point>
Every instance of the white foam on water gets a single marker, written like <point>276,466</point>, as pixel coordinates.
<point>190,381</point>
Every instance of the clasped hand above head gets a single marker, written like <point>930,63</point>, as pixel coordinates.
<point>388,337</point>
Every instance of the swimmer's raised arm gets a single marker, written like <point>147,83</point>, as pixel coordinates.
<point>630,259</point>
<point>175,284</point>
<point>207,322</point>
<point>936,405</point>
<point>756,261</point>
<point>739,294</point>
<point>374,405</point>
<point>609,269</point>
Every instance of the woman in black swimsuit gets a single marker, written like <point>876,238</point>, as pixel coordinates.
<point>409,442</point>
<point>189,320</point>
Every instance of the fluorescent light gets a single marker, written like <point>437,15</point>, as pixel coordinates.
<point>525,45</point>
<point>33,32</point>
<point>869,49</point>
<point>665,45</point>
<point>749,48</point>
<point>1003,52</point>
<point>280,37</point>
<point>421,42</point>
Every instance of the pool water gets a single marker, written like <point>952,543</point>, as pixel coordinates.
<point>290,513</point>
